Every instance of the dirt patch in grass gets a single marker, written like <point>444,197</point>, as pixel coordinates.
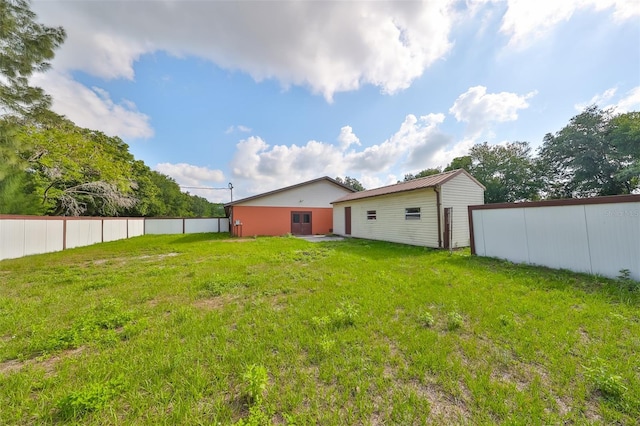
<point>445,408</point>
<point>47,364</point>
<point>217,302</point>
<point>124,260</point>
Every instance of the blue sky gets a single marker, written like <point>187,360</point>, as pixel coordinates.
<point>266,94</point>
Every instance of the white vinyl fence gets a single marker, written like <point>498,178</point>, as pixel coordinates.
<point>25,235</point>
<point>594,235</point>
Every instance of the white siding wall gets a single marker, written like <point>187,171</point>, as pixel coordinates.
<point>338,218</point>
<point>316,194</point>
<point>390,224</point>
<point>459,193</point>
<point>594,238</point>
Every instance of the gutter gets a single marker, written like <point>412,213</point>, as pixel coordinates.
<point>438,205</point>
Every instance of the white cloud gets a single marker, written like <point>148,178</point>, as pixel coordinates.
<point>93,108</point>
<point>190,175</point>
<point>630,101</point>
<point>525,21</point>
<point>197,180</point>
<point>347,137</point>
<point>598,99</point>
<point>258,166</point>
<point>479,109</point>
<point>327,46</point>
<point>238,128</point>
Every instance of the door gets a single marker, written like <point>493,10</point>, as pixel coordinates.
<point>301,223</point>
<point>347,220</point>
<point>448,211</point>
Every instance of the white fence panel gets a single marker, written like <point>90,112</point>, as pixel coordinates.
<point>55,236</point>
<point>135,227</point>
<point>567,247</point>
<point>598,236</point>
<point>508,231</point>
<point>42,236</point>
<point>114,229</point>
<point>83,232</point>
<point>25,235</point>
<point>193,226</point>
<point>163,226</point>
<point>11,239</point>
<point>614,238</point>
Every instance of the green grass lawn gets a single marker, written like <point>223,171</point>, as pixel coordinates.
<point>203,329</point>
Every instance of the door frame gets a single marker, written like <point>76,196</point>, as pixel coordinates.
<point>302,225</point>
<point>448,227</point>
<point>347,220</point>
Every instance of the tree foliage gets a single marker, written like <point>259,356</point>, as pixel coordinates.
<point>48,165</point>
<point>25,47</point>
<point>597,153</point>
<point>423,173</point>
<point>464,162</point>
<point>507,171</point>
<point>351,182</point>
<point>74,171</point>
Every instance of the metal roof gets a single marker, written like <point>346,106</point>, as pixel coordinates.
<point>264,194</point>
<point>420,183</point>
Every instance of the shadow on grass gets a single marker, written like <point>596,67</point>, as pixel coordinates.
<point>542,277</point>
<point>377,250</point>
<point>200,237</point>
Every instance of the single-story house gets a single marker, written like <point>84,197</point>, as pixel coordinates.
<point>302,209</point>
<point>429,211</point>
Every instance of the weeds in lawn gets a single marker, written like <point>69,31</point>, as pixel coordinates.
<point>343,316</point>
<point>426,319</point>
<point>329,343</point>
<point>92,398</point>
<point>611,385</point>
<point>454,321</point>
<point>626,282</point>
<point>255,382</point>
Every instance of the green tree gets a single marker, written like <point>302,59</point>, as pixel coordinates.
<point>351,182</point>
<point>423,173</point>
<point>595,154</point>
<point>624,135</point>
<point>76,171</point>
<point>507,171</point>
<point>464,162</point>
<point>25,47</point>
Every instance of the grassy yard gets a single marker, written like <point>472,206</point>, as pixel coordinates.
<point>203,329</point>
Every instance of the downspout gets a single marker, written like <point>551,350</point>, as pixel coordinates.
<point>437,191</point>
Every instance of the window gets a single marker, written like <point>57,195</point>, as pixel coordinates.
<point>371,215</point>
<point>296,218</point>
<point>412,213</point>
<point>306,218</point>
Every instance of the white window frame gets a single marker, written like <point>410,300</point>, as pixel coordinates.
<point>412,213</point>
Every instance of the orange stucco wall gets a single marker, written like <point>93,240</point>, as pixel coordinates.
<point>277,220</point>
